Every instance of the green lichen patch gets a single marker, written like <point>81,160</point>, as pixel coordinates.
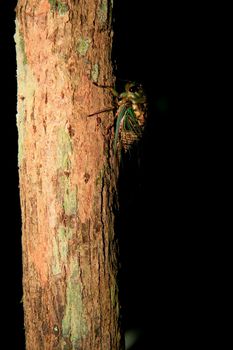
<point>58,6</point>
<point>70,200</point>
<point>62,8</point>
<point>103,11</point>
<point>83,45</point>
<point>64,149</point>
<point>53,4</point>
<point>95,72</point>
<point>73,324</point>
<point>60,248</point>
<point>19,41</point>
<point>63,235</point>
<point>22,46</point>
<point>20,127</point>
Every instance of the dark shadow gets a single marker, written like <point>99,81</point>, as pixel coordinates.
<point>143,230</point>
<point>144,221</point>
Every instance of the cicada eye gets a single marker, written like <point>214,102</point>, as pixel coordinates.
<point>133,88</point>
<point>136,88</point>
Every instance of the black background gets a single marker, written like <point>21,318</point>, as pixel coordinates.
<point>160,293</point>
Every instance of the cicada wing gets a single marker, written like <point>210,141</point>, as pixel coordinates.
<point>120,120</point>
<point>129,129</point>
<point>131,123</point>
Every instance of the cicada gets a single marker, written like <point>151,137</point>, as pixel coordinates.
<point>130,116</point>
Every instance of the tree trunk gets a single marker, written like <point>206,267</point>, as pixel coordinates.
<point>67,178</point>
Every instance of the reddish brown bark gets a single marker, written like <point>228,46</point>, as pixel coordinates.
<point>67,182</point>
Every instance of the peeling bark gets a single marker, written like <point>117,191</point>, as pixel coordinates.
<point>67,178</point>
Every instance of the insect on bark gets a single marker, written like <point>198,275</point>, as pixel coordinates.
<point>130,116</point>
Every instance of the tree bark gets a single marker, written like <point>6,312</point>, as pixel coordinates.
<point>67,176</point>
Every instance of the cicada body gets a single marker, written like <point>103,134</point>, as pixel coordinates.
<point>130,118</point>
<point>131,113</point>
